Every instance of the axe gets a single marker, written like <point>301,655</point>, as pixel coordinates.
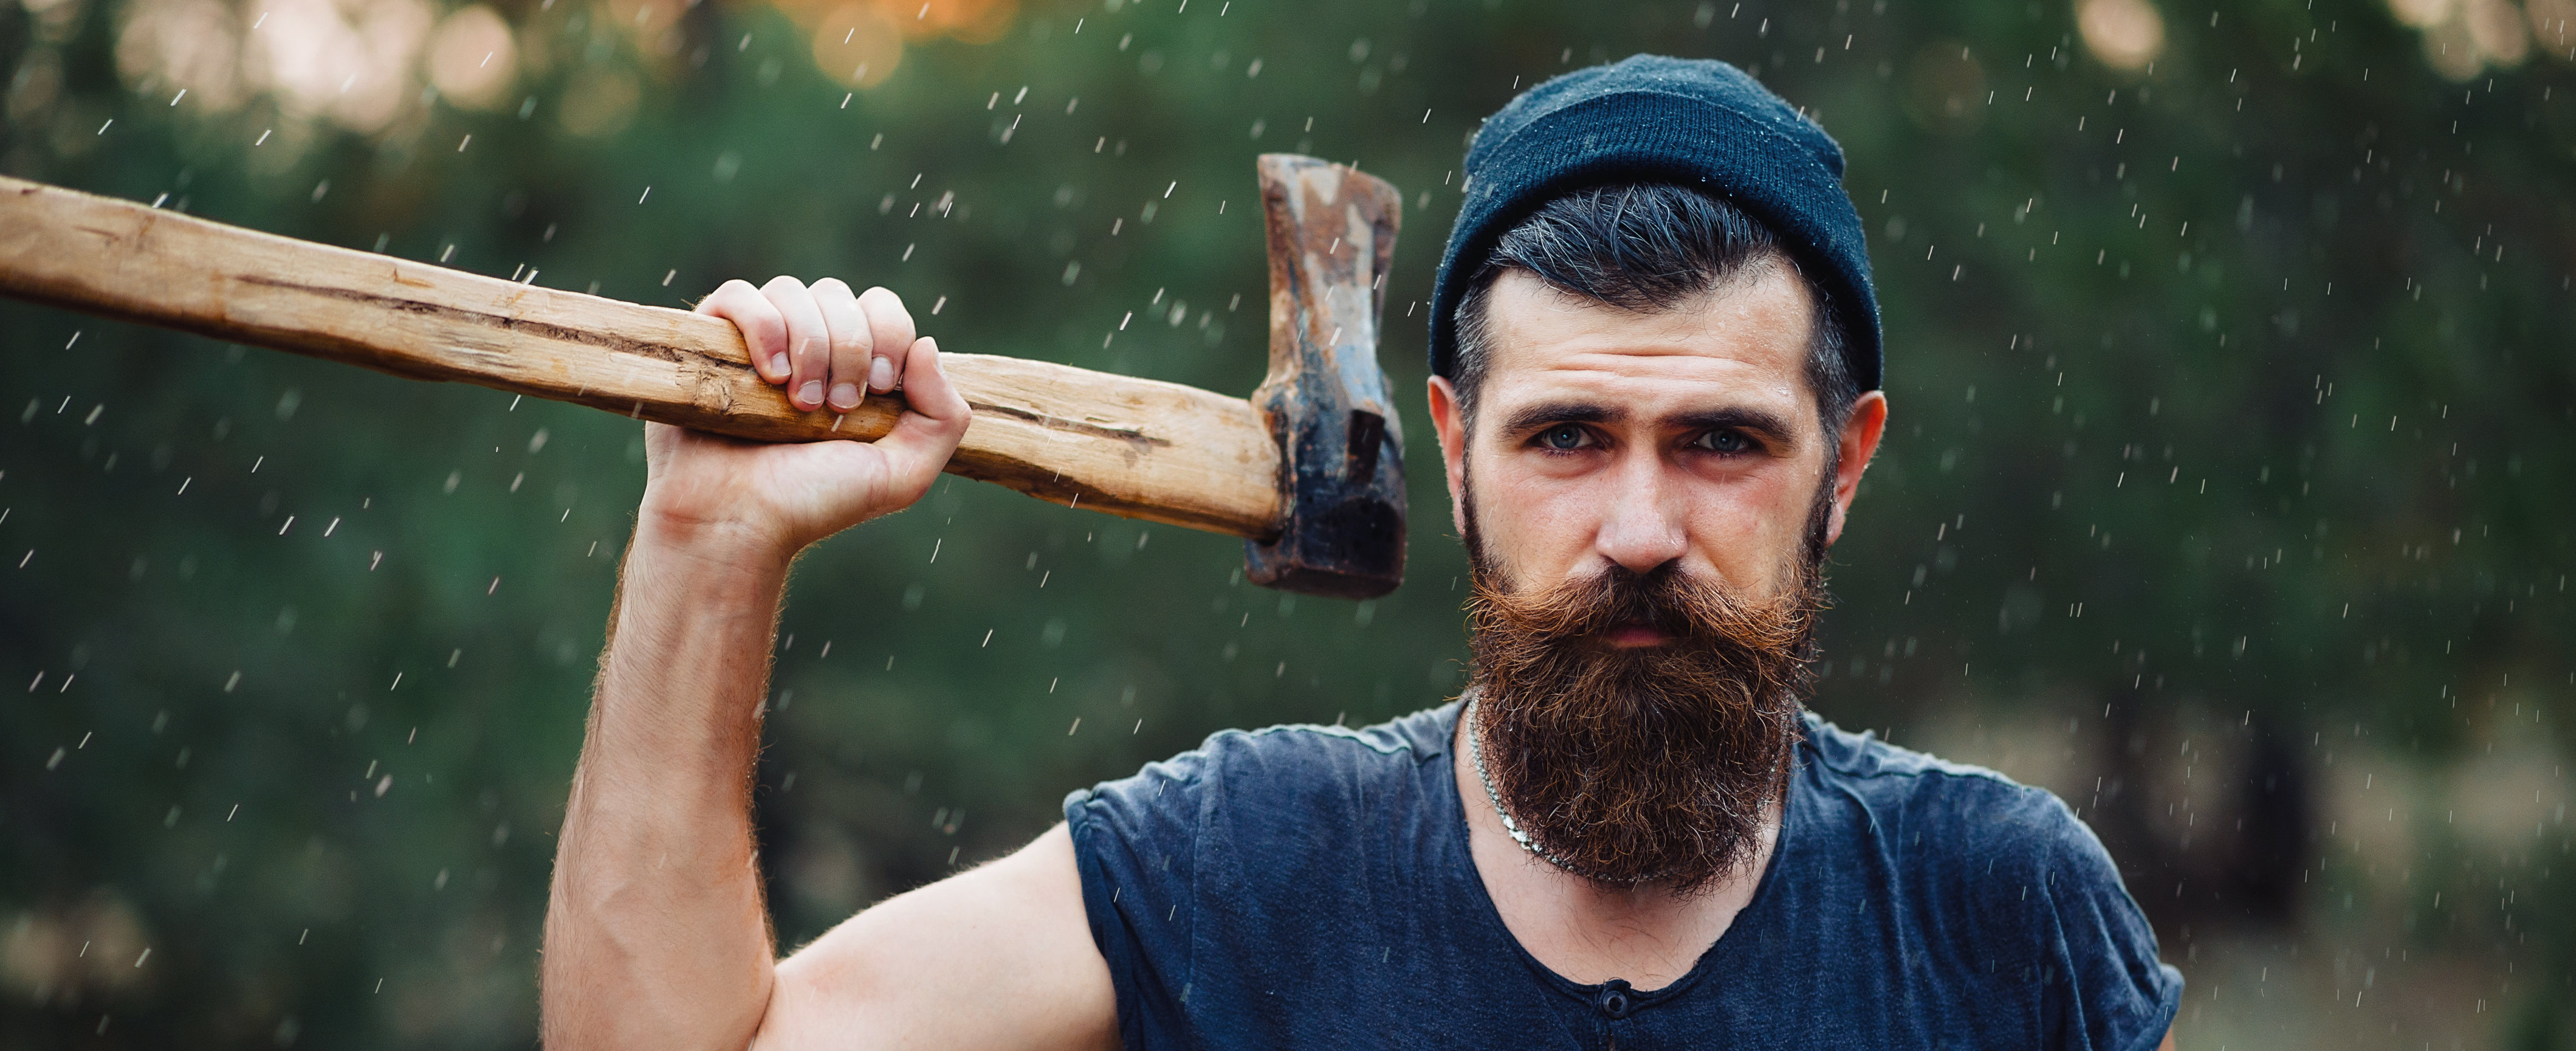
<point>1309,470</point>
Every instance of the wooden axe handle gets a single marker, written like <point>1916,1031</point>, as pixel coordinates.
<point>1134,447</point>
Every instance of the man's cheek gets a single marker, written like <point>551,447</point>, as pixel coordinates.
<point>1529,533</point>
<point>1746,536</point>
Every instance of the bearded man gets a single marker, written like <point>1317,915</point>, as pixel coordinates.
<point>1656,354</point>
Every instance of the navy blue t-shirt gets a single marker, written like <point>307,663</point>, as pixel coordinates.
<point>1310,887</point>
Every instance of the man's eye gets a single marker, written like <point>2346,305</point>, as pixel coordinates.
<point>1564,437</point>
<point>1723,442</point>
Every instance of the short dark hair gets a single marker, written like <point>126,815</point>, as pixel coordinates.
<point>1647,247</point>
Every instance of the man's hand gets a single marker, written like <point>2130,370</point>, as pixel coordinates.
<point>824,345</point>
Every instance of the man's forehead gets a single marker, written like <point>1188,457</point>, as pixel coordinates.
<point>1743,341</point>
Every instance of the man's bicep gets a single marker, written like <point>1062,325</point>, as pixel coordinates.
<point>997,957</point>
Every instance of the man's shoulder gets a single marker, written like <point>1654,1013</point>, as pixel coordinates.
<point>1260,818</point>
<point>1998,885</point>
<point>1400,741</point>
<point>1286,761</point>
<point>1945,807</point>
<point>1866,755</point>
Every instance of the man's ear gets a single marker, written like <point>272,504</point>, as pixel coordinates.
<point>1859,441</point>
<point>1452,428</point>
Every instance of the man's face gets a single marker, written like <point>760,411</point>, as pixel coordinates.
<point>1609,437</point>
<point>1650,498</point>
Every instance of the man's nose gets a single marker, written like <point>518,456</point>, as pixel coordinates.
<point>1642,521</point>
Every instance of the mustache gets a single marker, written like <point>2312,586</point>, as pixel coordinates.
<point>1680,604</point>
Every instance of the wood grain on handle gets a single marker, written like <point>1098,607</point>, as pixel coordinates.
<point>1134,447</point>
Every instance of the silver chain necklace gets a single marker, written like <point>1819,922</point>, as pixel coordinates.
<point>1476,750</point>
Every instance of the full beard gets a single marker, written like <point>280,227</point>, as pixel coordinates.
<point>1658,763</point>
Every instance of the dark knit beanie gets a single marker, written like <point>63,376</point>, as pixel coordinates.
<point>1699,123</point>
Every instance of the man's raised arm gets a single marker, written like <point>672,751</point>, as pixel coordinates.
<point>656,934</point>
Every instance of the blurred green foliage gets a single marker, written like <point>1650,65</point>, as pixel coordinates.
<point>2233,400</point>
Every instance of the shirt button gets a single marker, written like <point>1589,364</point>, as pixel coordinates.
<point>1614,999</point>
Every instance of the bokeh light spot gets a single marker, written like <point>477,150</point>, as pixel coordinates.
<point>473,58</point>
<point>2122,34</point>
<point>856,45</point>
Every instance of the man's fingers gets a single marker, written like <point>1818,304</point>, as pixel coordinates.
<point>850,342</point>
<point>825,345</point>
<point>809,341</point>
<point>764,330</point>
<point>891,335</point>
<point>934,418</point>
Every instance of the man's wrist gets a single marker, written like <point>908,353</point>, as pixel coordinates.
<point>728,546</point>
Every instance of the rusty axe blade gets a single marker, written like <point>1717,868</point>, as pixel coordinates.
<point>1341,466</point>
<point>1138,448</point>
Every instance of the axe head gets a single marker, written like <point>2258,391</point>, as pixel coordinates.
<point>1341,465</point>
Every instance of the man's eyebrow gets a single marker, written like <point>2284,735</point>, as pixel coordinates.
<point>1533,417</point>
<point>1759,422</point>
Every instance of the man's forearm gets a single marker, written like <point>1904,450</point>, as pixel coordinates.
<point>656,935</point>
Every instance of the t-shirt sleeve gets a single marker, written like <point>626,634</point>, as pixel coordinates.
<point>2115,994</point>
<point>1135,843</point>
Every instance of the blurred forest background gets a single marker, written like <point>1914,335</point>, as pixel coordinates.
<point>2226,494</point>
